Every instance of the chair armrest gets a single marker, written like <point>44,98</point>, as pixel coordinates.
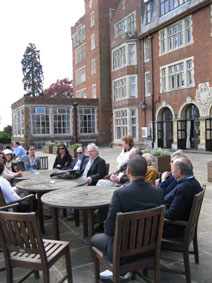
<point>6,207</point>
<point>175,222</point>
<point>28,197</point>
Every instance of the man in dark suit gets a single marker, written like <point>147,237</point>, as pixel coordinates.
<point>179,200</point>
<point>79,162</point>
<point>94,167</point>
<point>139,195</point>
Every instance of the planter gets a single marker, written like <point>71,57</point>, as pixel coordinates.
<point>73,152</point>
<point>47,148</point>
<point>54,149</point>
<point>162,163</point>
<point>210,171</point>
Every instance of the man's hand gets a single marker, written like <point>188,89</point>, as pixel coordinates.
<point>164,176</point>
<point>89,180</point>
<point>18,174</point>
<point>114,178</point>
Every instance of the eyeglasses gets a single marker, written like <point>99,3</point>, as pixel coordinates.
<point>79,152</point>
<point>61,148</point>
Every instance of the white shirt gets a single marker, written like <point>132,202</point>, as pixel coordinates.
<point>8,191</point>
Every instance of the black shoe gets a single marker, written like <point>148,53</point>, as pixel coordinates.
<point>99,228</point>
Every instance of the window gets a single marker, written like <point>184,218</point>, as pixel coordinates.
<point>146,50</point>
<point>79,36</point>
<point>126,24</point>
<point>148,12</point>
<point>176,36</point>
<point>169,5</point>
<point>177,76</point>
<point>93,91</point>
<point>80,54</point>
<point>87,121</point>
<point>93,66</point>
<point>81,93</point>
<point>81,76</point>
<point>92,21</point>
<point>92,41</point>
<point>125,87</point>
<point>111,13</point>
<point>61,118</point>
<point>40,121</point>
<point>125,122</point>
<point>147,84</point>
<point>18,122</point>
<point>124,55</point>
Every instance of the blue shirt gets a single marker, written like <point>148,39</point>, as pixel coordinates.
<point>19,151</point>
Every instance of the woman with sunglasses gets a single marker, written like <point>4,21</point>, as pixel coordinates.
<point>63,158</point>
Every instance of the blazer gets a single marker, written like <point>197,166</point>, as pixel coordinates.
<point>64,162</point>
<point>81,164</point>
<point>139,195</point>
<point>179,201</point>
<point>97,170</point>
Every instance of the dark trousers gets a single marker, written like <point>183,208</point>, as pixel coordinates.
<point>103,243</point>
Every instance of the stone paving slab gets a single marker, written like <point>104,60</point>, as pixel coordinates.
<point>82,265</point>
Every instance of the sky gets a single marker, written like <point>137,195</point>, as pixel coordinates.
<point>45,23</point>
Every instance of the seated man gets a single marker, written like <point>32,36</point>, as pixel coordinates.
<point>94,167</point>
<point>78,163</point>
<point>119,177</point>
<point>139,195</point>
<point>152,172</point>
<point>179,200</point>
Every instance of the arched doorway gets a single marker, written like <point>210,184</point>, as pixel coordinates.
<point>165,129</point>
<point>188,130</point>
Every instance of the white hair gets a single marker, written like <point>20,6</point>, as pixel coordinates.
<point>94,147</point>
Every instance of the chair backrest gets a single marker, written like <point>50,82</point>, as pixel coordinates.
<point>194,215</point>
<point>138,232</point>
<point>20,166</point>
<point>2,201</point>
<point>19,232</point>
<point>108,168</point>
<point>44,163</point>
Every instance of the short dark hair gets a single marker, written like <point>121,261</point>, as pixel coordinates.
<point>1,167</point>
<point>137,165</point>
<point>185,166</point>
<point>18,143</point>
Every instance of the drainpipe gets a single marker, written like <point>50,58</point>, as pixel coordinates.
<point>153,96</point>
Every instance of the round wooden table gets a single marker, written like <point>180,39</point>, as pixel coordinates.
<point>42,183</point>
<point>86,198</point>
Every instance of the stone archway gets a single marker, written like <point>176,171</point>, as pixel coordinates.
<point>165,128</point>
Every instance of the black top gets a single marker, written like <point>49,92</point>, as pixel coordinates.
<point>64,162</point>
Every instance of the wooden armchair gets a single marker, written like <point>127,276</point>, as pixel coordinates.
<point>44,163</point>
<point>20,166</point>
<point>182,242</point>
<point>136,234</point>
<point>23,247</point>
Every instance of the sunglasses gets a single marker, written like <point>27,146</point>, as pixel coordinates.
<point>79,152</point>
<point>61,148</point>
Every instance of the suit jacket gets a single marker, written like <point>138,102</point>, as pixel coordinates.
<point>81,164</point>
<point>139,195</point>
<point>168,185</point>
<point>97,170</point>
<point>179,201</point>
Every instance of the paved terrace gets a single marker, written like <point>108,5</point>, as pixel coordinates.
<point>82,266</point>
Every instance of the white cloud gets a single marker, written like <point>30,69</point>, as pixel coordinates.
<point>47,24</point>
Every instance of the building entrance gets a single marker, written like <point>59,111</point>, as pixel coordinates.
<point>165,129</point>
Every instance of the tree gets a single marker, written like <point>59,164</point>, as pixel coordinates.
<point>8,130</point>
<point>62,88</point>
<point>32,71</point>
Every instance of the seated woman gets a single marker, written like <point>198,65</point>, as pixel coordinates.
<point>8,154</point>
<point>30,161</point>
<point>63,158</point>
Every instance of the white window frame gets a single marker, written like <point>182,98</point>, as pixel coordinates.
<point>93,41</point>
<point>41,121</point>
<point>63,118</point>
<point>177,75</point>
<point>80,75</point>
<point>146,50</point>
<point>120,56</point>
<point>168,41</point>
<point>93,113</point>
<point>80,54</point>
<point>81,93</point>
<point>92,19</point>
<point>79,36</point>
<point>93,66</point>
<point>122,88</point>
<point>125,25</point>
<point>94,91</point>
<point>147,84</point>
<point>18,122</point>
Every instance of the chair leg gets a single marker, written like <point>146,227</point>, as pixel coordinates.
<point>196,250</point>
<point>96,268</point>
<point>187,266</point>
<point>157,273</point>
<point>77,221</point>
<point>9,271</point>
<point>36,274</point>
<point>46,278</point>
<point>116,276</point>
<point>68,265</point>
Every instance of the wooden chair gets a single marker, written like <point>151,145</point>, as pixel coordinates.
<point>23,247</point>
<point>136,233</point>
<point>44,163</point>
<point>108,168</point>
<point>182,242</point>
<point>20,166</point>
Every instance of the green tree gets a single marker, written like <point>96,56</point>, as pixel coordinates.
<point>32,71</point>
<point>8,130</point>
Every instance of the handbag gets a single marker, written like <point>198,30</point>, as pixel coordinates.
<point>68,174</point>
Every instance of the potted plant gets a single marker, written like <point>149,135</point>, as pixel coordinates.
<point>73,149</point>
<point>47,148</point>
<point>162,158</point>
